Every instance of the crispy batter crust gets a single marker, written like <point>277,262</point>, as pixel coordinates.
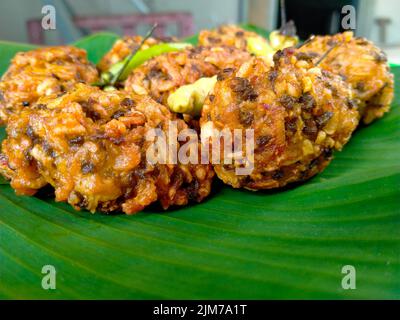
<point>227,35</point>
<point>299,114</point>
<point>361,64</point>
<point>41,72</point>
<point>90,146</point>
<point>162,75</point>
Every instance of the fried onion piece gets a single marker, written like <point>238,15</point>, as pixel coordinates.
<point>230,35</point>
<point>360,63</point>
<point>91,146</point>
<point>42,72</point>
<point>298,113</point>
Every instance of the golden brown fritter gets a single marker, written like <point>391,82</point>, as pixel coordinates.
<point>227,35</point>
<point>41,72</point>
<point>361,64</point>
<point>90,146</point>
<point>123,47</point>
<point>299,114</point>
<point>160,76</point>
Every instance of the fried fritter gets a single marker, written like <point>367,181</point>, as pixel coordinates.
<point>41,72</point>
<point>123,47</point>
<point>228,35</point>
<point>90,146</point>
<point>299,113</point>
<point>161,75</point>
<point>363,65</point>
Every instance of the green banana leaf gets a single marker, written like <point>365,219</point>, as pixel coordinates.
<point>238,244</point>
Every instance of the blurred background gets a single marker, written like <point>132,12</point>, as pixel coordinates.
<point>20,20</point>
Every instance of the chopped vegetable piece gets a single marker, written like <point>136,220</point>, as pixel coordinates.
<point>190,98</point>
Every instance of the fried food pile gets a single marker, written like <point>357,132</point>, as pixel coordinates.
<point>90,146</point>
<point>361,64</point>
<point>42,72</point>
<point>299,113</point>
<point>160,76</point>
<point>85,131</point>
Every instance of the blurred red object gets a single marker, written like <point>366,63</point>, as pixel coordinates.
<point>128,24</point>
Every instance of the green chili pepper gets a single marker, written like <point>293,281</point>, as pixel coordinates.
<point>142,56</point>
<point>120,71</point>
